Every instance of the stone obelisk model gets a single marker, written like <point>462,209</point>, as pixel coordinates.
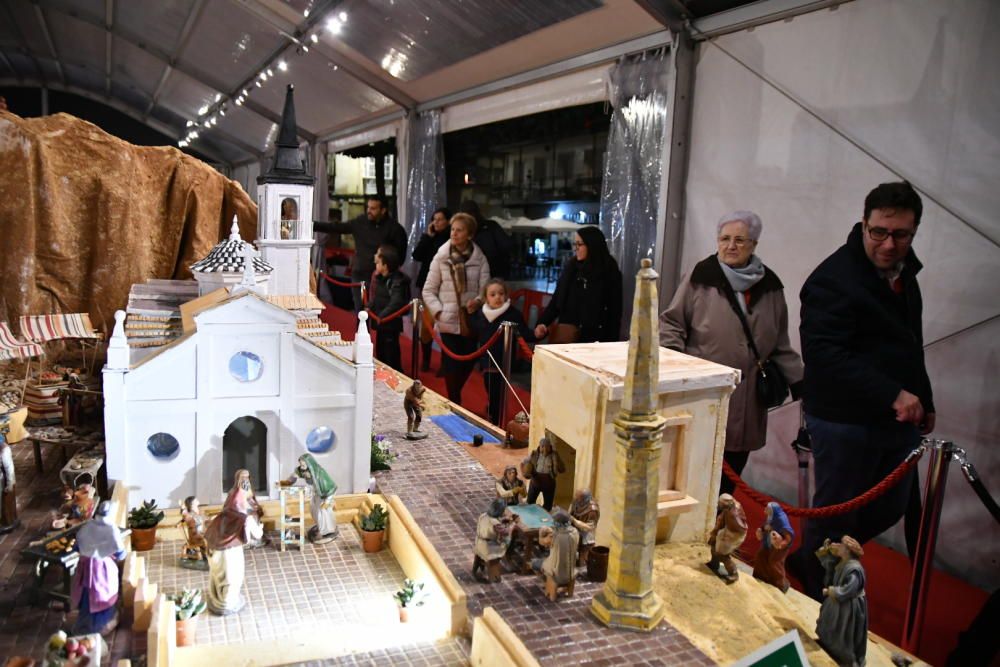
<point>628,600</point>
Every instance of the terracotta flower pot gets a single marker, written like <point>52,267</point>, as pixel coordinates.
<point>143,539</point>
<point>186,630</point>
<point>404,614</point>
<point>371,540</point>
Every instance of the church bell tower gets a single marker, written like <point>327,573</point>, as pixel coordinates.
<point>284,211</point>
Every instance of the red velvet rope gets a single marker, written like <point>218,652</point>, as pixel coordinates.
<point>524,348</point>
<point>459,357</point>
<point>830,510</point>
<point>389,318</point>
<point>338,282</point>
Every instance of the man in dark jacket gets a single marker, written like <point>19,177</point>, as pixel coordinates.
<point>370,230</point>
<point>866,395</point>
<point>390,292</point>
<point>491,239</point>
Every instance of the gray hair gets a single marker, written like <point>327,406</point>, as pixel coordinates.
<point>749,218</point>
<point>497,508</point>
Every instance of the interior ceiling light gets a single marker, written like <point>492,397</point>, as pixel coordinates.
<point>258,83</point>
<point>334,25</point>
<point>239,101</point>
<point>202,111</point>
<point>282,65</point>
<point>189,123</point>
<point>218,96</point>
<point>270,72</point>
<point>222,110</point>
<point>315,38</point>
<point>343,17</point>
<point>246,91</point>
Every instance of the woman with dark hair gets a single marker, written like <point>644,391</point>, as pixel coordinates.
<point>588,297</point>
<point>428,245</point>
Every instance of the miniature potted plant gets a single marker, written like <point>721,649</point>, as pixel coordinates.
<point>188,605</point>
<point>410,595</point>
<point>373,529</point>
<point>143,521</point>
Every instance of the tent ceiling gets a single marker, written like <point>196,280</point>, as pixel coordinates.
<point>175,62</point>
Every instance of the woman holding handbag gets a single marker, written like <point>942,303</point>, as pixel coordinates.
<point>588,297</point>
<point>458,273</point>
<point>731,310</point>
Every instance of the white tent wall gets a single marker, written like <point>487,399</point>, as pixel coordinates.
<point>903,88</point>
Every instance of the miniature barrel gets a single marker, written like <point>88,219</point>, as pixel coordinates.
<point>597,563</point>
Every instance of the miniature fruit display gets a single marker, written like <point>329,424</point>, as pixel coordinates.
<point>66,651</point>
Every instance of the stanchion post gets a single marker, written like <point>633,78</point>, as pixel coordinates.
<point>415,308</point>
<point>937,476</point>
<point>364,295</point>
<point>508,357</point>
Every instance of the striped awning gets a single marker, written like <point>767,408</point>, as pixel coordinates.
<point>41,328</point>
<point>12,348</point>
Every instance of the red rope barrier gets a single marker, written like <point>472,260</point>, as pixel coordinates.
<point>830,510</point>
<point>338,282</point>
<point>389,318</point>
<point>460,357</point>
<point>524,348</point>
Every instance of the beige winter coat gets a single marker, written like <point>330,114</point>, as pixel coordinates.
<point>701,322</point>
<point>439,290</point>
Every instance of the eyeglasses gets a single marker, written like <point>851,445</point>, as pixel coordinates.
<point>738,241</point>
<point>880,234</point>
<point>577,244</point>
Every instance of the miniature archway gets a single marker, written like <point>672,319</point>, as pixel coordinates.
<point>244,445</point>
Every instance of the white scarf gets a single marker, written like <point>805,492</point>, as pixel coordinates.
<point>493,313</point>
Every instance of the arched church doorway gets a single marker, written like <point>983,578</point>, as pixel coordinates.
<point>244,445</point>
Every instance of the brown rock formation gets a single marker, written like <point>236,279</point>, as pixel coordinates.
<point>84,215</point>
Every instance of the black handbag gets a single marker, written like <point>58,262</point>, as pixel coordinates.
<point>772,387</point>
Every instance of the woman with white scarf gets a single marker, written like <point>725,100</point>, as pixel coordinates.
<point>458,273</point>
<point>702,321</point>
<point>496,310</point>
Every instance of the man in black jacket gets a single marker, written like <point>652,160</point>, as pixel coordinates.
<point>866,395</point>
<point>370,230</point>
<point>491,239</point>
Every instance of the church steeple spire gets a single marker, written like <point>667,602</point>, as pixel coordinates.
<point>288,165</point>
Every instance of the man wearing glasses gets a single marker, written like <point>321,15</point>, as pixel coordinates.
<point>866,396</point>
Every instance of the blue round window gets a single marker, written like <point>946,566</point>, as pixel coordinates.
<point>163,445</point>
<point>320,439</point>
<point>245,366</point>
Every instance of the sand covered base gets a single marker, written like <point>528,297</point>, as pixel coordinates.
<point>729,621</point>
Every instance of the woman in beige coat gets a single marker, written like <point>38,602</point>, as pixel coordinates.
<point>455,281</point>
<point>701,321</point>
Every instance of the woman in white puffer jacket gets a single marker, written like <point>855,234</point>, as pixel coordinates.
<point>453,290</point>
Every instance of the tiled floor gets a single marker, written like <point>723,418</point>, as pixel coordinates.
<point>446,490</point>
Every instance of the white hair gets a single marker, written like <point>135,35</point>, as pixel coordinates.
<point>749,218</point>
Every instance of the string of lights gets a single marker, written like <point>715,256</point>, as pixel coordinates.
<point>209,114</point>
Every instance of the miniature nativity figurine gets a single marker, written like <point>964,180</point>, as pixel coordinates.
<point>727,536</point>
<point>8,495</point>
<point>584,514</point>
<point>70,400</point>
<point>559,567</point>
<point>541,468</point>
<point>842,627</point>
<point>322,505</point>
<point>94,590</point>
<point>493,534</point>
<point>413,404</point>
<point>517,431</point>
<point>79,504</point>
<point>194,554</point>
<point>510,487</point>
<point>775,537</point>
<point>232,528</point>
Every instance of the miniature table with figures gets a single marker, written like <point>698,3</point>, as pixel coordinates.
<point>532,519</point>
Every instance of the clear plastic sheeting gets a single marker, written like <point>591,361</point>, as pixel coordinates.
<point>425,173</point>
<point>639,91</point>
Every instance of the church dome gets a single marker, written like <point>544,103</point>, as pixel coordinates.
<point>227,257</point>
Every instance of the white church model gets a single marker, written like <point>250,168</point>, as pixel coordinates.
<point>246,386</point>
